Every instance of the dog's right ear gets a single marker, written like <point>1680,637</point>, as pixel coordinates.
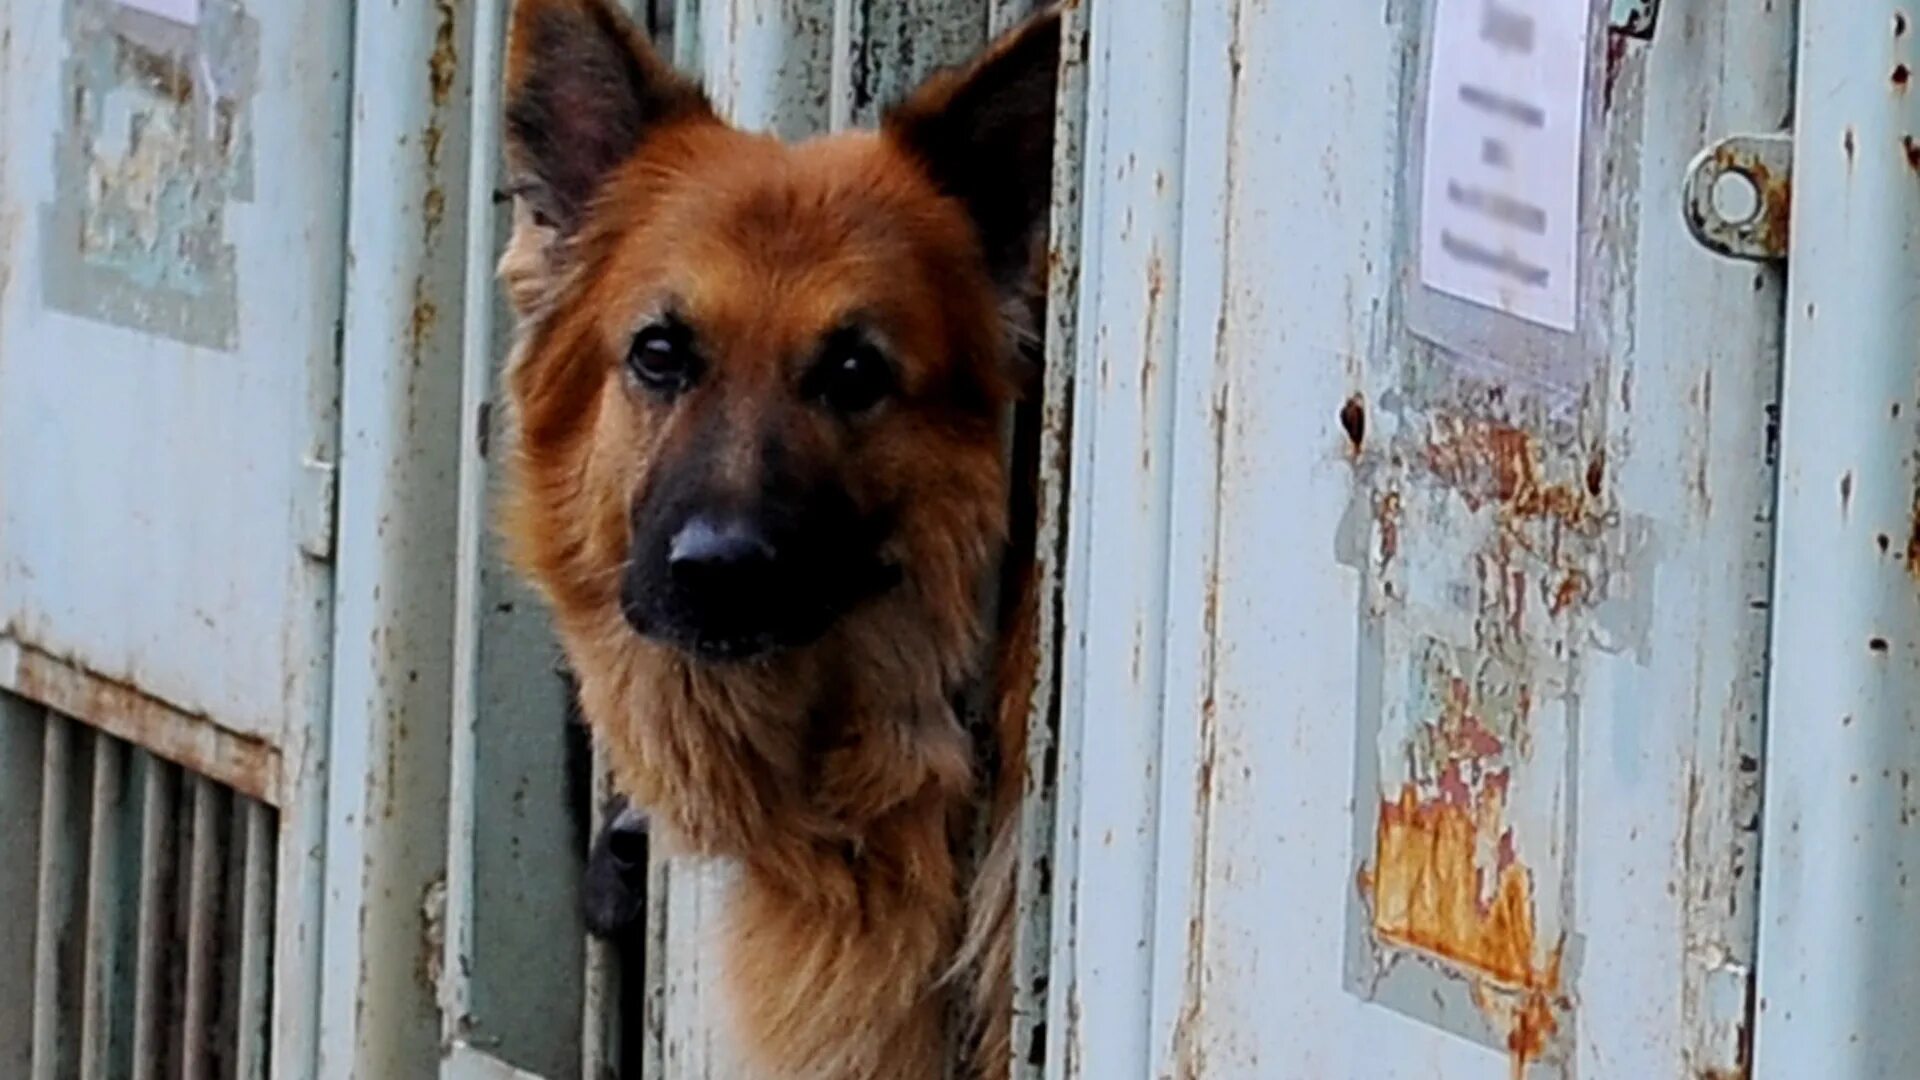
<point>583,88</point>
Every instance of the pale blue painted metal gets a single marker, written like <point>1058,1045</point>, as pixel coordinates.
<point>1839,961</point>
<point>1319,489</point>
<point>171,275</point>
<point>1116,573</point>
<point>181,418</point>
<point>385,842</point>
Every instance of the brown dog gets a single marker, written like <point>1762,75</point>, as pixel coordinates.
<point>759,392</point>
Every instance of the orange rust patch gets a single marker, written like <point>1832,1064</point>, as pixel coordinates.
<point>1501,463</point>
<point>1388,517</point>
<point>1446,881</point>
<point>1572,588</point>
<point>1429,885</point>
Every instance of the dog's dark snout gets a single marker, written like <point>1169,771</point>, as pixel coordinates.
<point>710,546</point>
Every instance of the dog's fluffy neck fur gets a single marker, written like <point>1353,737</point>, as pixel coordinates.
<point>836,779</point>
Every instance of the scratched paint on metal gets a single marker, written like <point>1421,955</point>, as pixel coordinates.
<point>1488,545</point>
<point>1482,565</point>
<point>157,142</point>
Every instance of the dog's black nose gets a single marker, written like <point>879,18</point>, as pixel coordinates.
<point>710,546</point>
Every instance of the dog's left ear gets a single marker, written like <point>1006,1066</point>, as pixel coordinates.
<point>984,132</point>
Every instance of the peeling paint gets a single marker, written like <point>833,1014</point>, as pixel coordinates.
<point>156,141</point>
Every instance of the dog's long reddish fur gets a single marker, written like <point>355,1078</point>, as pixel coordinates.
<point>836,777</point>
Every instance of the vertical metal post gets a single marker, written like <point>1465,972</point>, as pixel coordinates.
<point>22,733</point>
<point>1116,594</point>
<point>103,1031</point>
<point>386,825</point>
<point>256,941</point>
<point>1839,963</point>
<point>56,910</point>
<point>768,64</point>
<point>1033,942</point>
<point>160,787</point>
<point>202,887</point>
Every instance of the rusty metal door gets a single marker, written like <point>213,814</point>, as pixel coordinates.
<point>1419,543</point>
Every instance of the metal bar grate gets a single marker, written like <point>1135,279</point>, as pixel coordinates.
<point>153,914</point>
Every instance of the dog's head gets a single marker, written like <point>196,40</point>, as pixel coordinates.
<point>761,384</point>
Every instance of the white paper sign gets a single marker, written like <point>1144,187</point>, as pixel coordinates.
<point>180,11</point>
<point>1500,185</point>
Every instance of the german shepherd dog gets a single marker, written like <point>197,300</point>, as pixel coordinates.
<point>758,395</point>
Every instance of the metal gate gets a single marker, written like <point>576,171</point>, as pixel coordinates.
<point>1478,516</point>
<point>1488,481</point>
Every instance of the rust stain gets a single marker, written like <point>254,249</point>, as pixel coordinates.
<point>443,66</point>
<point>1490,461</point>
<point>1846,492</point>
<point>1771,225</point>
<point>1149,365</point>
<point>1571,589</point>
<point>420,321</point>
<point>123,710</point>
<point>1446,882</point>
<point>1899,24</point>
<point>444,63</point>
<point>1912,151</point>
<point>1353,419</point>
<point>1387,515</point>
<point>1901,76</point>
<point>1913,540</point>
<point>1446,878</point>
<point>1616,58</point>
<point>1847,143</point>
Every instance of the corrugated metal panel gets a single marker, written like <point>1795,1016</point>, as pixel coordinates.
<point>1839,961</point>
<point>1420,694</point>
<point>147,933</point>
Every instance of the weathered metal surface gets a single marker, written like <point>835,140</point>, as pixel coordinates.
<point>883,48</point>
<point>167,346</point>
<point>1738,196</point>
<point>768,64</point>
<point>248,764</point>
<point>1839,962</point>
<point>1035,896</point>
<point>385,843</point>
<point>1115,600</point>
<point>107,999</point>
<point>170,232</point>
<point>1521,774</point>
<point>157,151</point>
<point>22,735</point>
<point>513,980</point>
<point>57,911</point>
<point>155,955</point>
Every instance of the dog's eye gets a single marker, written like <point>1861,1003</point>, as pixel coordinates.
<point>851,378</point>
<point>661,359</point>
